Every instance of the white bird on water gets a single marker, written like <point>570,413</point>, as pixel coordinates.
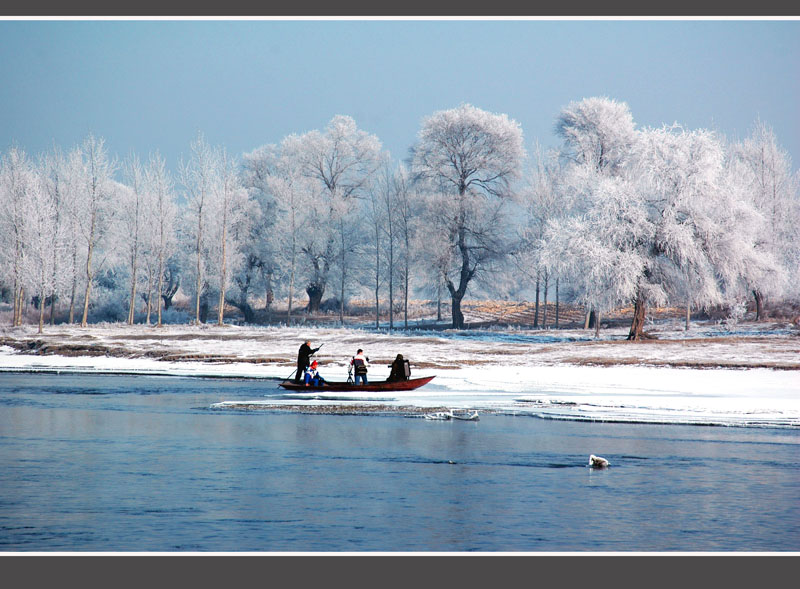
<point>597,461</point>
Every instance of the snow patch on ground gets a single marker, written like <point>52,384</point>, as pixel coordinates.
<point>551,375</point>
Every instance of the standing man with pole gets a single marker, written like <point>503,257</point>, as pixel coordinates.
<point>303,357</point>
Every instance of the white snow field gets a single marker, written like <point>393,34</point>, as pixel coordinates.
<point>750,377</point>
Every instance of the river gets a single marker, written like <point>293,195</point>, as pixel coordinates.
<point>145,464</point>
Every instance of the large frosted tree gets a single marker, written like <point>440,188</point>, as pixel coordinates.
<point>668,220</point>
<point>597,134</point>
<point>340,162</point>
<point>765,172</point>
<point>471,157</point>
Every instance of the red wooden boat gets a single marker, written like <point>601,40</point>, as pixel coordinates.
<point>341,387</point>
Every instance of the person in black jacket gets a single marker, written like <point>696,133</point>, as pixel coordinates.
<point>303,357</point>
<point>399,371</point>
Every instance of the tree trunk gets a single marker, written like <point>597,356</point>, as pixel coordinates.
<point>439,302</point>
<point>224,271</point>
<point>688,315</point>
<point>465,275</point>
<point>160,270</point>
<point>291,293</point>
<point>314,292</point>
<point>406,278</point>
<point>586,320</point>
<point>53,290</point>
<point>198,252</point>
<point>245,308</point>
<point>544,310</point>
<point>88,292</point>
<point>172,288</point>
<point>405,299</point>
<point>270,296</point>
<point>149,297</point>
<point>159,287</point>
<point>458,316</point>
<point>344,273</point>
<point>41,314</point>
<point>637,325</point>
<point>556,302</point>
<point>377,286</point>
<point>221,307</point>
<point>16,319</point>
<point>341,304</point>
<point>19,296</point>
<point>291,274</point>
<point>536,307</point>
<point>132,306</point>
<point>759,303</point>
<point>597,325</point>
<point>203,309</point>
<point>74,285</point>
<point>89,252</point>
<point>134,259</point>
<point>391,289</point>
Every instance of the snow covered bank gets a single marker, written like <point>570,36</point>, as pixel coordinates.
<point>554,375</point>
<point>636,394</point>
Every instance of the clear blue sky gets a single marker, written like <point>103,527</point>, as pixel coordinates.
<point>146,85</point>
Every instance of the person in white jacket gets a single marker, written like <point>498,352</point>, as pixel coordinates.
<point>359,363</point>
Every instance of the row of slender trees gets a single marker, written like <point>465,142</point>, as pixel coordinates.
<point>616,215</point>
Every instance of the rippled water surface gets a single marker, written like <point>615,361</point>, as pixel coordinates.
<point>126,463</point>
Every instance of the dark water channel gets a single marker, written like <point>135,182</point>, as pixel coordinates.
<point>134,463</point>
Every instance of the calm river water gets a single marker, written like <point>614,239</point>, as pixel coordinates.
<point>135,463</point>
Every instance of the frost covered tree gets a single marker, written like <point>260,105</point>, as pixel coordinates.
<point>340,161</point>
<point>131,219</point>
<point>696,221</point>
<point>668,219</point>
<point>380,245</point>
<point>406,222</point>
<point>196,177</point>
<point>95,208</point>
<point>541,200</point>
<point>43,276</point>
<point>772,187</point>
<point>261,251</point>
<point>59,180</point>
<point>392,217</point>
<point>589,245</point>
<point>597,133</point>
<point>229,224</point>
<point>470,157</point>
<point>275,178</point>
<point>17,178</point>
<point>160,235</point>
<point>71,178</point>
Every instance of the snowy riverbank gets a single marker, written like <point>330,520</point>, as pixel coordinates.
<point>705,376</point>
